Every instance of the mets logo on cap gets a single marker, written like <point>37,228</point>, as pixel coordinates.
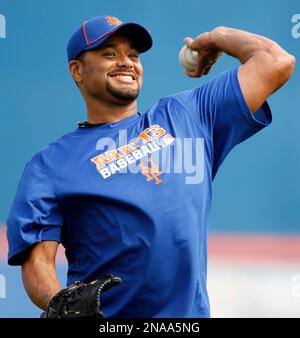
<point>111,20</point>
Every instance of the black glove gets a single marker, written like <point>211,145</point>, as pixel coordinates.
<point>80,299</point>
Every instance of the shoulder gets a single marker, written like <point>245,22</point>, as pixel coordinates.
<point>46,156</point>
<point>178,99</point>
<point>186,97</point>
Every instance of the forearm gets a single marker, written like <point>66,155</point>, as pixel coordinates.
<point>243,45</point>
<point>266,56</point>
<point>265,65</point>
<point>263,55</point>
<point>40,281</point>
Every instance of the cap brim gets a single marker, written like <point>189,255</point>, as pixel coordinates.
<point>139,35</point>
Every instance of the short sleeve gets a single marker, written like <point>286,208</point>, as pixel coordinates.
<point>221,110</point>
<point>35,215</point>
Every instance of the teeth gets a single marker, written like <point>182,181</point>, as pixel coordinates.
<point>124,77</point>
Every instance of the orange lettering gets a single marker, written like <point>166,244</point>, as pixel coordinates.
<point>128,148</point>
<point>157,131</point>
<point>109,156</point>
<point>144,136</point>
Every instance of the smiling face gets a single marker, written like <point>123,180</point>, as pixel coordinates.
<point>111,72</point>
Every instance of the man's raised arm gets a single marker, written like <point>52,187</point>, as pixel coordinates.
<point>265,65</point>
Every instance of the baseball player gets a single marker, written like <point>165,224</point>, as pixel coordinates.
<point>123,219</point>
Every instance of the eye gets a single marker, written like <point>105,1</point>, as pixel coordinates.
<point>134,56</point>
<point>109,53</point>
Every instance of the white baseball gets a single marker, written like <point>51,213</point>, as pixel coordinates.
<point>188,58</point>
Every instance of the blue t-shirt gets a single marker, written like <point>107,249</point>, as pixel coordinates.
<point>133,198</point>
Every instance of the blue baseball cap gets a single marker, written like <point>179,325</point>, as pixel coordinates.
<point>95,31</point>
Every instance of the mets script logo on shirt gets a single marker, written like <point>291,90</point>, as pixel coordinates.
<point>151,140</point>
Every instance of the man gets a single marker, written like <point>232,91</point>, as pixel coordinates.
<point>117,209</point>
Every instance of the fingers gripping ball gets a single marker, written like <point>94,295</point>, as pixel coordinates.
<point>80,299</point>
<point>188,58</point>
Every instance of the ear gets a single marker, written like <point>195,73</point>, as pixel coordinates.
<point>76,70</point>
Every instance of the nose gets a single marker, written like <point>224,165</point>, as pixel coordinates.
<point>124,62</point>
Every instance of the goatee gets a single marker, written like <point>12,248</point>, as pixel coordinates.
<point>126,94</point>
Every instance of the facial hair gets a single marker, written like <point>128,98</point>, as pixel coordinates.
<point>126,94</point>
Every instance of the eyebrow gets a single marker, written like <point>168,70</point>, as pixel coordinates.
<point>109,45</point>
<point>114,45</point>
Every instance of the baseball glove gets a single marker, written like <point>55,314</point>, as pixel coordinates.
<point>80,299</point>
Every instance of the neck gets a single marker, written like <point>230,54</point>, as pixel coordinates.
<point>103,112</point>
